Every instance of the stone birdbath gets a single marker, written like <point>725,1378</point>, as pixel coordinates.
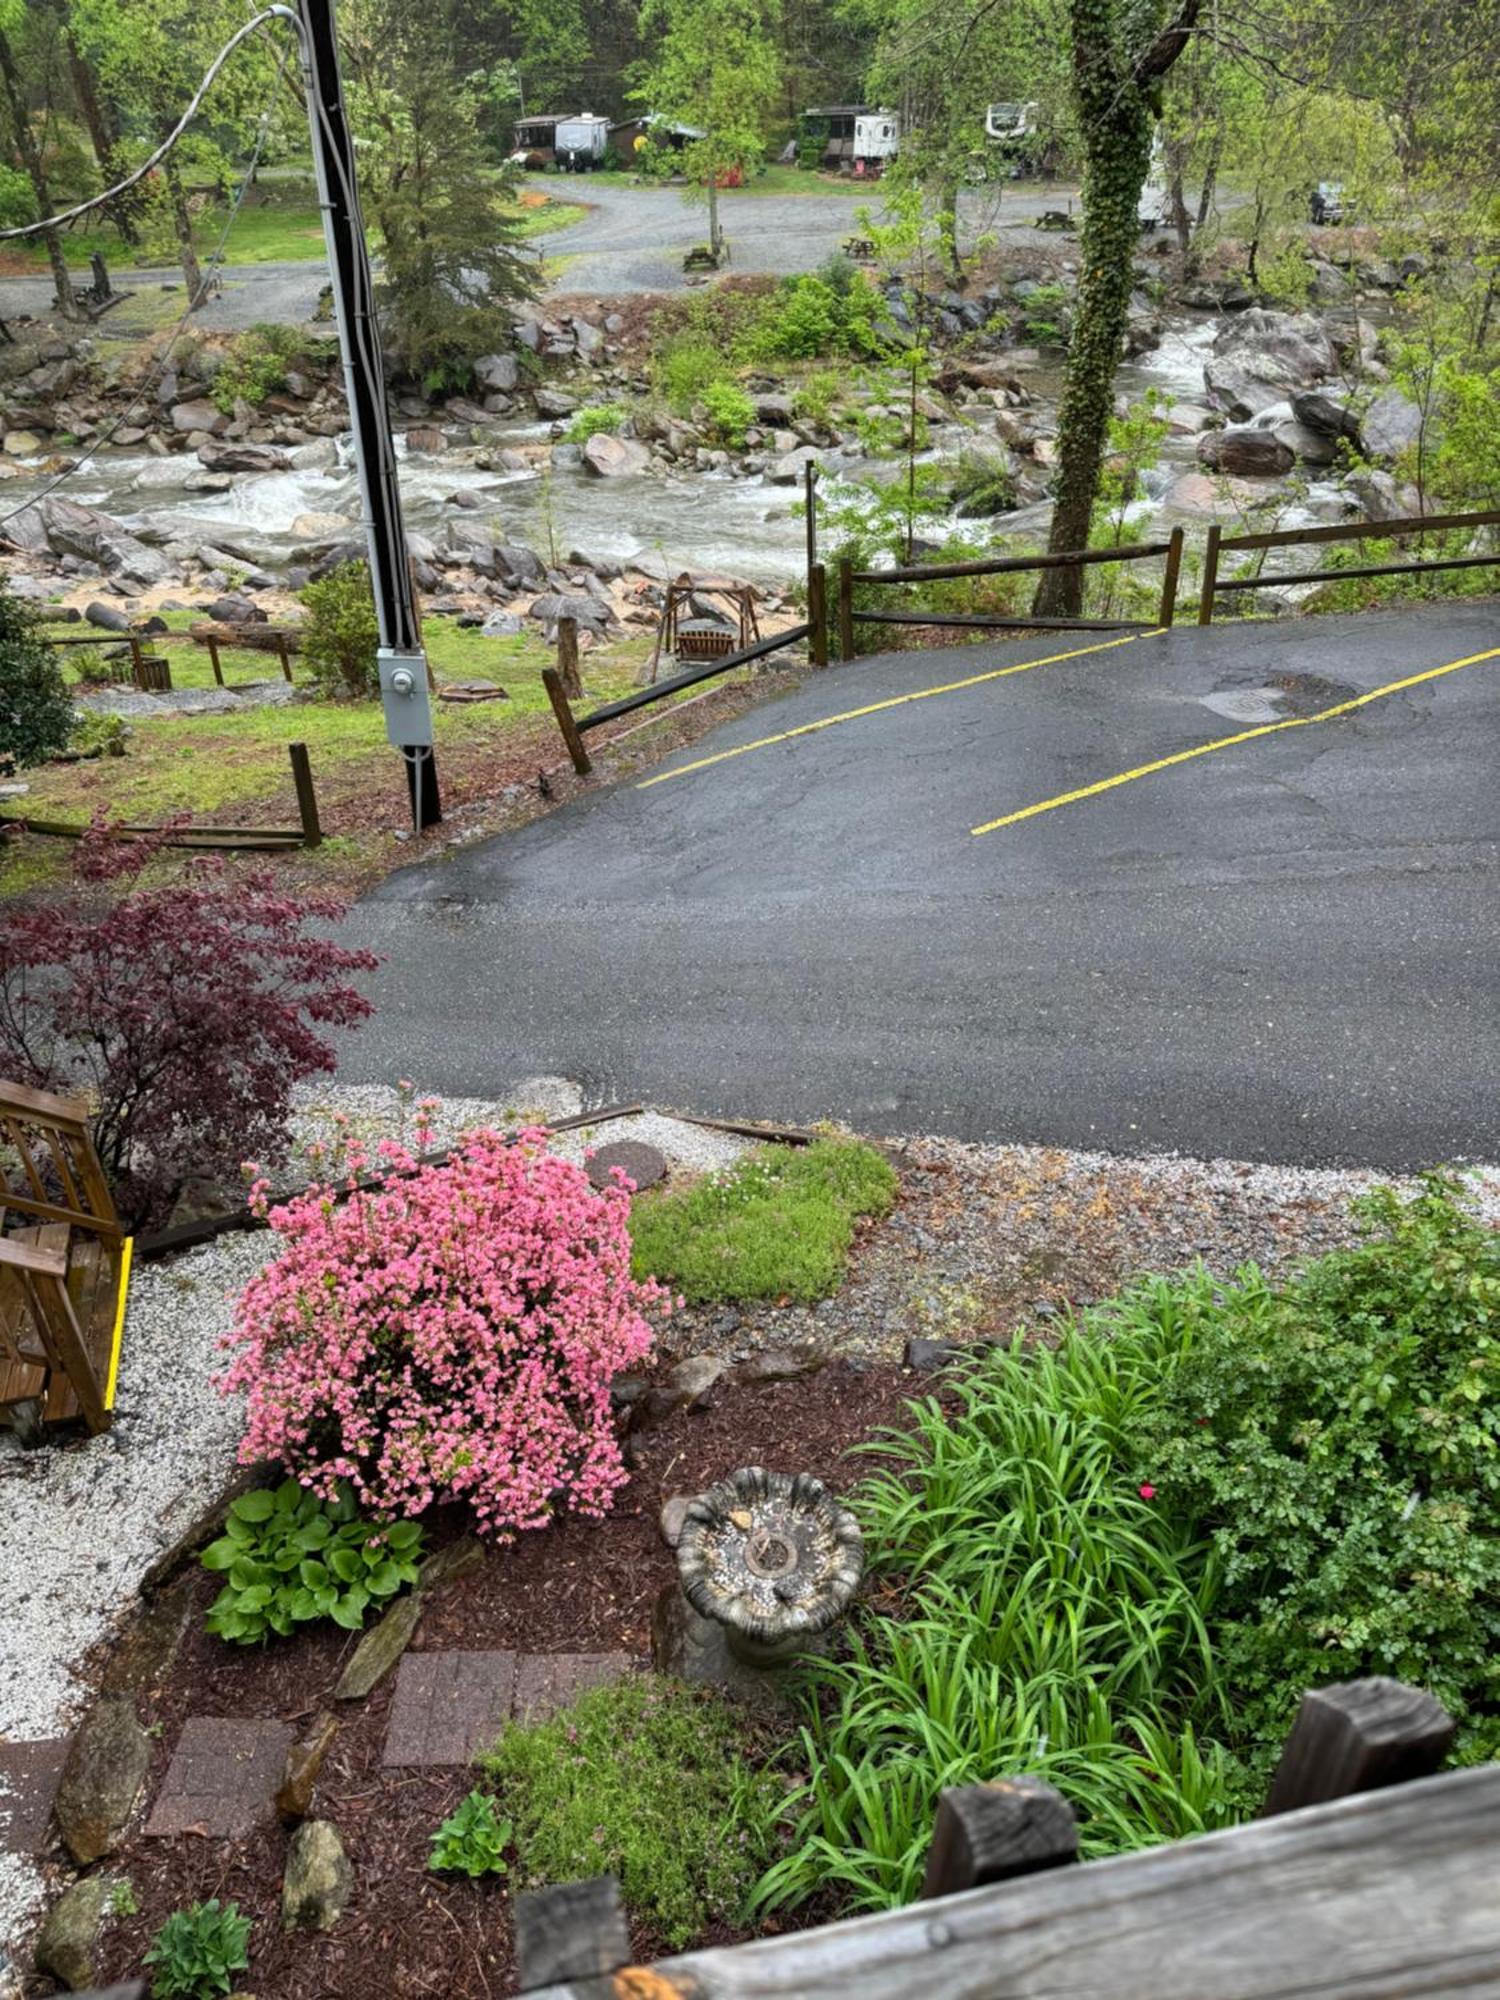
<point>772,1558</point>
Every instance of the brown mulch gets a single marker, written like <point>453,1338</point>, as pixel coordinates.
<point>579,1586</point>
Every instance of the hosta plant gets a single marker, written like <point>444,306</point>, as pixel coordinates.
<point>448,1335</point>
<point>471,1841</point>
<point>289,1558</point>
<point>198,1950</point>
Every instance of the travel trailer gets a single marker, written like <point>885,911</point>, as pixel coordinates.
<point>857,138</point>
<point>581,142</point>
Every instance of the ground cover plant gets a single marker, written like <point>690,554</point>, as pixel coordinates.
<point>289,1558</point>
<point>1118,1564</point>
<point>448,1335</point>
<point>197,1952</point>
<point>471,1840</point>
<point>778,1224</point>
<point>646,1780</point>
<point>36,714</point>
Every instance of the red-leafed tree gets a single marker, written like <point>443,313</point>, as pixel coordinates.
<point>183,1010</point>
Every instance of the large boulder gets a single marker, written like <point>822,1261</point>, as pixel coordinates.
<point>199,415</point>
<point>1246,453</point>
<point>318,1881</point>
<point>518,566</point>
<point>614,457</point>
<point>559,604</point>
<point>1391,425</point>
<point>473,543</point>
<point>242,457</point>
<point>1330,411</point>
<point>1261,358</point>
<point>106,1767</point>
<point>554,403</point>
<point>788,471</point>
<point>498,372</point>
<point>72,530</point>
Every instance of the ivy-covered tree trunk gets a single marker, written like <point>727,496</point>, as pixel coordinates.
<point>1114,87</point>
<point>31,159</point>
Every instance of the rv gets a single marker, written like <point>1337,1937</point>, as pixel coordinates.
<point>533,142</point>
<point>581,142</point>
<point>856,138</point>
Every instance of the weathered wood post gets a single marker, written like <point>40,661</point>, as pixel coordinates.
<point>988,1833</point>
<point>286,664</point>
<point>565,721</point>
<point>213,661</point>
<point>1358,1737</point>
<point>1210,574</point>
<point>817,615</point>
<point>846,608</point>
<point>576,1930</point>
<point>567,658</point>
<point>1169,582</point>
<point>307,798</point>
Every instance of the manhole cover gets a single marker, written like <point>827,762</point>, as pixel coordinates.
<point>643,1164</point>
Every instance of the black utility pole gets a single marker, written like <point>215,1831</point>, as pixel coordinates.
<point>403,662</point>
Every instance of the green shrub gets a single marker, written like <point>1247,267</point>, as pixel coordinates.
<point>1339,1440</point>
<point>683,368</point>
<point>36,714</point>
<point>255,366</point>
<point>644,1780</point>
<point>731,411</point>
<point>289,1558</point>
<point>17,198</point>
<point>341,634</point>
<point>610,418</point>
<point>817,396</point>
<point>198,1950</point>
<point>835,312</point>
<point>777,1224</point>
<point>471,1841</point>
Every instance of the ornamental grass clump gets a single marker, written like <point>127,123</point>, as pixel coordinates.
<point>449,1335</point>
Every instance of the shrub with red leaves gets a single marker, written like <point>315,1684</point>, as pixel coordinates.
<point>184,1011</point>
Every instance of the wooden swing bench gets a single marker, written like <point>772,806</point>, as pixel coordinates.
<point>63,1272</point>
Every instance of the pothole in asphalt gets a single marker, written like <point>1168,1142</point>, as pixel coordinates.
<point>1281,700</point>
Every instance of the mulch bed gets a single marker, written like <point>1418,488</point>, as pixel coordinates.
<point>576,1587</point>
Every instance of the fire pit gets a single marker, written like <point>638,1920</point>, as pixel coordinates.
<point>772,1558</point>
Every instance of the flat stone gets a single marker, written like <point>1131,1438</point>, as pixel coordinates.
<point>149,1645</point>
<point>643,1166</point>
<point>318,1881</point>
<point>101,1779</point>
<point>380,1648</point>
<point>29,1777</point>
<point>222,1778</point>
<point>778,1364</point>
<point>928,1356</point>
<point>546,1682</point>
<point>447,1706</point>
<point>466,1553</point>
<point>689,1385</point>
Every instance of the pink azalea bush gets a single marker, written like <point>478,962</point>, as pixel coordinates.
<point>449,1335</point>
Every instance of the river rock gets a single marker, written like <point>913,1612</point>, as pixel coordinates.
<point>72,530</point>
<point>499,372</point>
<point>1246,452</point>
<point>1260,358</point>
<point>554,403</point>
<point>1382,497</point>
<point>518,566</point>
<point>380,1649</point>
<point>243,457</point>
<point>473,543</point>
<point>67,1946</point>
<point>233,609</point>
<point>588,338</point>
<point>28,531</point>
<point>318,1880</point>
<point>557,604</point>
<point>199,415</point>
<point>316,527</point>
<point>775,410</point>
<point>208,482</point>
<point>317,455</point>
<point>1330,411</point>
<point>502,625</point>
<point>614,457</point>
<point>1390,425</point>
<point>788,471</point>
<point>22,444</point>
<point>106,1767</point>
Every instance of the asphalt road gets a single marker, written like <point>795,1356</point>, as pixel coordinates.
<point>1284,949</point>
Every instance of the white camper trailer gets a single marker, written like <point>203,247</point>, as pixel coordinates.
<point>877,138</point>
<point>581,143</point>
<point>1010,122</point>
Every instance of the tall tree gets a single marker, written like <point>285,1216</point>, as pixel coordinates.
<point>715,68</point>
<point>31,158</point>
<point>1120,52</point>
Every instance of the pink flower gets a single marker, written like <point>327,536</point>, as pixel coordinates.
<point>1147,1491</point>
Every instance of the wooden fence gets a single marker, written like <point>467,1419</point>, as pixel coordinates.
<point>207,839</point>
<point>1366,1878</point>
<point>1218,545</point>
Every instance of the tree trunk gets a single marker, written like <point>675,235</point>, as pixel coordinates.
<point>714,239</point>
<point>102,139</point>
<point>1118,158</point>
<point>182,223</point>
<point>1210,179</point>
<point>948,224</point>
<point>31,159</point>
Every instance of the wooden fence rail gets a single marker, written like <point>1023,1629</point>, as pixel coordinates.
<point>207,839</point>
<point>1366,1878</point>
<point>1217,545</point>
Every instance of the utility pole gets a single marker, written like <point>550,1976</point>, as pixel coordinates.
<point>403,661</point>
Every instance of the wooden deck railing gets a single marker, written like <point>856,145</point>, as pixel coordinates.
<point>1366,1878</point>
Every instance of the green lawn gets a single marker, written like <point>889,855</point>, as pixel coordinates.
<point>771,180</point>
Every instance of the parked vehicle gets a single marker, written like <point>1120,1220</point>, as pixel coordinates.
<point>534,142</point>
<point>1328,204</point>
<point>849,138</point>
<point>581,142</point>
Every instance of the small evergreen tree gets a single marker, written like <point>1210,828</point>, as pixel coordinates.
<point>36,716</point>
<point>342,634</point>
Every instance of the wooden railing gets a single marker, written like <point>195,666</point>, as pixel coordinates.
<point>849,576</point>
<point>1366,1878</point>
<point>1218,545</point>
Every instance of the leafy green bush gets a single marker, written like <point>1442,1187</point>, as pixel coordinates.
<point>593,418</point>
<point>683,368</point>
<point>198,1950</point>
<point>289,1558</point>
<point>731,411</point>
<point>36,714</point>
<point>255,366</point>
<point>645,1780</point>
<point>1339,1440</point>
<point>817,396</point>
<point>807,317</point>
<point>777,1224</point>
<point>471,1841</point>
<point>17,198</point>
<point>341,634</point>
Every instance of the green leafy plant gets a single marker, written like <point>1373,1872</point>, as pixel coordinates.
<point>645,1779</point>
<point>198,1950</point>
<point>341,634</point>
<point>471,1841</point>
<point>731,411</point>
<point>594,418</point>
<point>36,714</point>
<point>255,366</point>
<point>289,1558</point>
<point>778,1224</point>
<point>122,1902</point>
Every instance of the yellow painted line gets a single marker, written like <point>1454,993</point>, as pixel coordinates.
<point>1228,742</point>
<point>119,1333</point>
<point>895,701</point>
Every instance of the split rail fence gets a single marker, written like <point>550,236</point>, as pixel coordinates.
<point>1218,545</point>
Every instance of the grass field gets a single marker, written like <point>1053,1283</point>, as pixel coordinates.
<point>770,180</point>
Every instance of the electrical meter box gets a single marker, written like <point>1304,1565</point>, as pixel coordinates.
<point>404,695</point>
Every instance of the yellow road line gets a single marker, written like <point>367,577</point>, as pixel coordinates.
<point>896,701</point>
<point>1228,742</point>
<point>118,1334</point>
